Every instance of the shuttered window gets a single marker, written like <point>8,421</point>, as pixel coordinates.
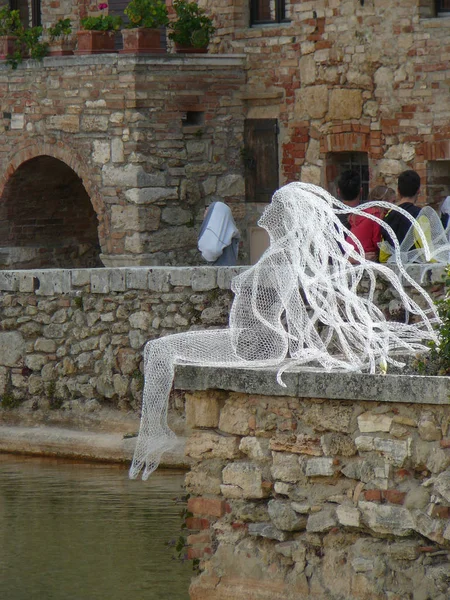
<point>36,18</point>
<point>260,156</point>
<point>268,11</point>
<point>116,8</point>
<point>22,7</point>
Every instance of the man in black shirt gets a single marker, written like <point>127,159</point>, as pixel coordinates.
<point>408,187</point>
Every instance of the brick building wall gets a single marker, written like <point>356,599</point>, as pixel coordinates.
<point>370,79</point>
<point>346,83</point>
<point>149,141</point>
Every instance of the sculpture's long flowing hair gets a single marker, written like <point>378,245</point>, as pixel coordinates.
<point>300,302</point>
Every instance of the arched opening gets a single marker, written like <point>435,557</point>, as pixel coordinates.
<point>47,219</point>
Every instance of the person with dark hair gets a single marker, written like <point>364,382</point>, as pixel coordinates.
<point>408,187</point>
<point>349,192</point>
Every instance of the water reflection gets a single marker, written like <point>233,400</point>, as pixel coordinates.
<point>77,531</point>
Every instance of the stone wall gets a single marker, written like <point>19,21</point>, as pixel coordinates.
<point>148,141</point>
<point>74,339</point>
<point>337,82</point>
<point>336,487</point>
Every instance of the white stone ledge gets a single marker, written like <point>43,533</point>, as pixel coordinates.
<point>303,383</point>
<point>122,60</point>
<point>47,282</point>
<point>50,282</point>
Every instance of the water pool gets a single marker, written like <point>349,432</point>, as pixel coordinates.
<point>82,531</point>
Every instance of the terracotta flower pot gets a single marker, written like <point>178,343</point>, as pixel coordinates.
<point>142,40</point>
<point>190,49</point>
<point>61,47</point>
<point>95,42</point>
<point>7,45</point>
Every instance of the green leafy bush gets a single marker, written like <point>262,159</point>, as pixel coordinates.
<point>192,27</point>
<point>61,28</point>
<point>437,362</point>
<point>147,13</point>
<point>102,22</point>
<point>31,39</point>
<point>10,22</point>
<point>28,41</point>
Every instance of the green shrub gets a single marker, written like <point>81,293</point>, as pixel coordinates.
<point>101,23</point>
<point>147,13</point>
<point>61,28</point>
<point>437,362</point>
<point>192,27</point>
<point>10,22</point>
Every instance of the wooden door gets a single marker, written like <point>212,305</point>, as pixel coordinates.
<point>260,155</point>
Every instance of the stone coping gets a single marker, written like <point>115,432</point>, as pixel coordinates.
<point>114,58</point>
<point>309,383</point>
<point>48,282</point>
<point>62,442</point>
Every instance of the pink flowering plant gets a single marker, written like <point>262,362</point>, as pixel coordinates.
<point>101,22</point>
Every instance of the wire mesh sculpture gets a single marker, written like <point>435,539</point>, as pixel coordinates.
<point>299,305</point>
<point>411,249</point>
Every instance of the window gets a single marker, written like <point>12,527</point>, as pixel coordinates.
<point>443,8</point>
<point>437,184</point>
<point>36,19</point>
<point>260,157</point>
<point>23,8</point>
<point>269,11</point>
<point>337,162</point>
<point>430,9</point>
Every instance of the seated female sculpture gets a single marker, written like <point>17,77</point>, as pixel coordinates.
<point>300,302</point>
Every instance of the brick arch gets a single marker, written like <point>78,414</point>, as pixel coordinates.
<point>356,139</point>
<point>64,154</point>
<point>51,212</point>
<point>435,150</point>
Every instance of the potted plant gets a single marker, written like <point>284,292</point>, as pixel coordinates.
<point>98,32</point>
<point>60,42</point>
<point>143,33</point>
<point>192,29</point>
<point>16,42</point>
<point>10,29</point>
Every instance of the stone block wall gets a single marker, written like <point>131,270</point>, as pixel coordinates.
<point>75,338</point>
<point>309,494</point>
<point>149,140</point>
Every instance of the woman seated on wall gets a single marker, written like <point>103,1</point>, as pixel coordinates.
<point>367,231</point>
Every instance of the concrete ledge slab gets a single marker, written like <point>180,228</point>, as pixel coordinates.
<point>305,383</point>
<point>84,445</point>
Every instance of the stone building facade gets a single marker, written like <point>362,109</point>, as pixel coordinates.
<point>111,159</point>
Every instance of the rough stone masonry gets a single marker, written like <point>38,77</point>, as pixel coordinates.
<point>336,487</point>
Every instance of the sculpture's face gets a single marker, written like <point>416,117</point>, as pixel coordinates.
<point>292,211</point>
